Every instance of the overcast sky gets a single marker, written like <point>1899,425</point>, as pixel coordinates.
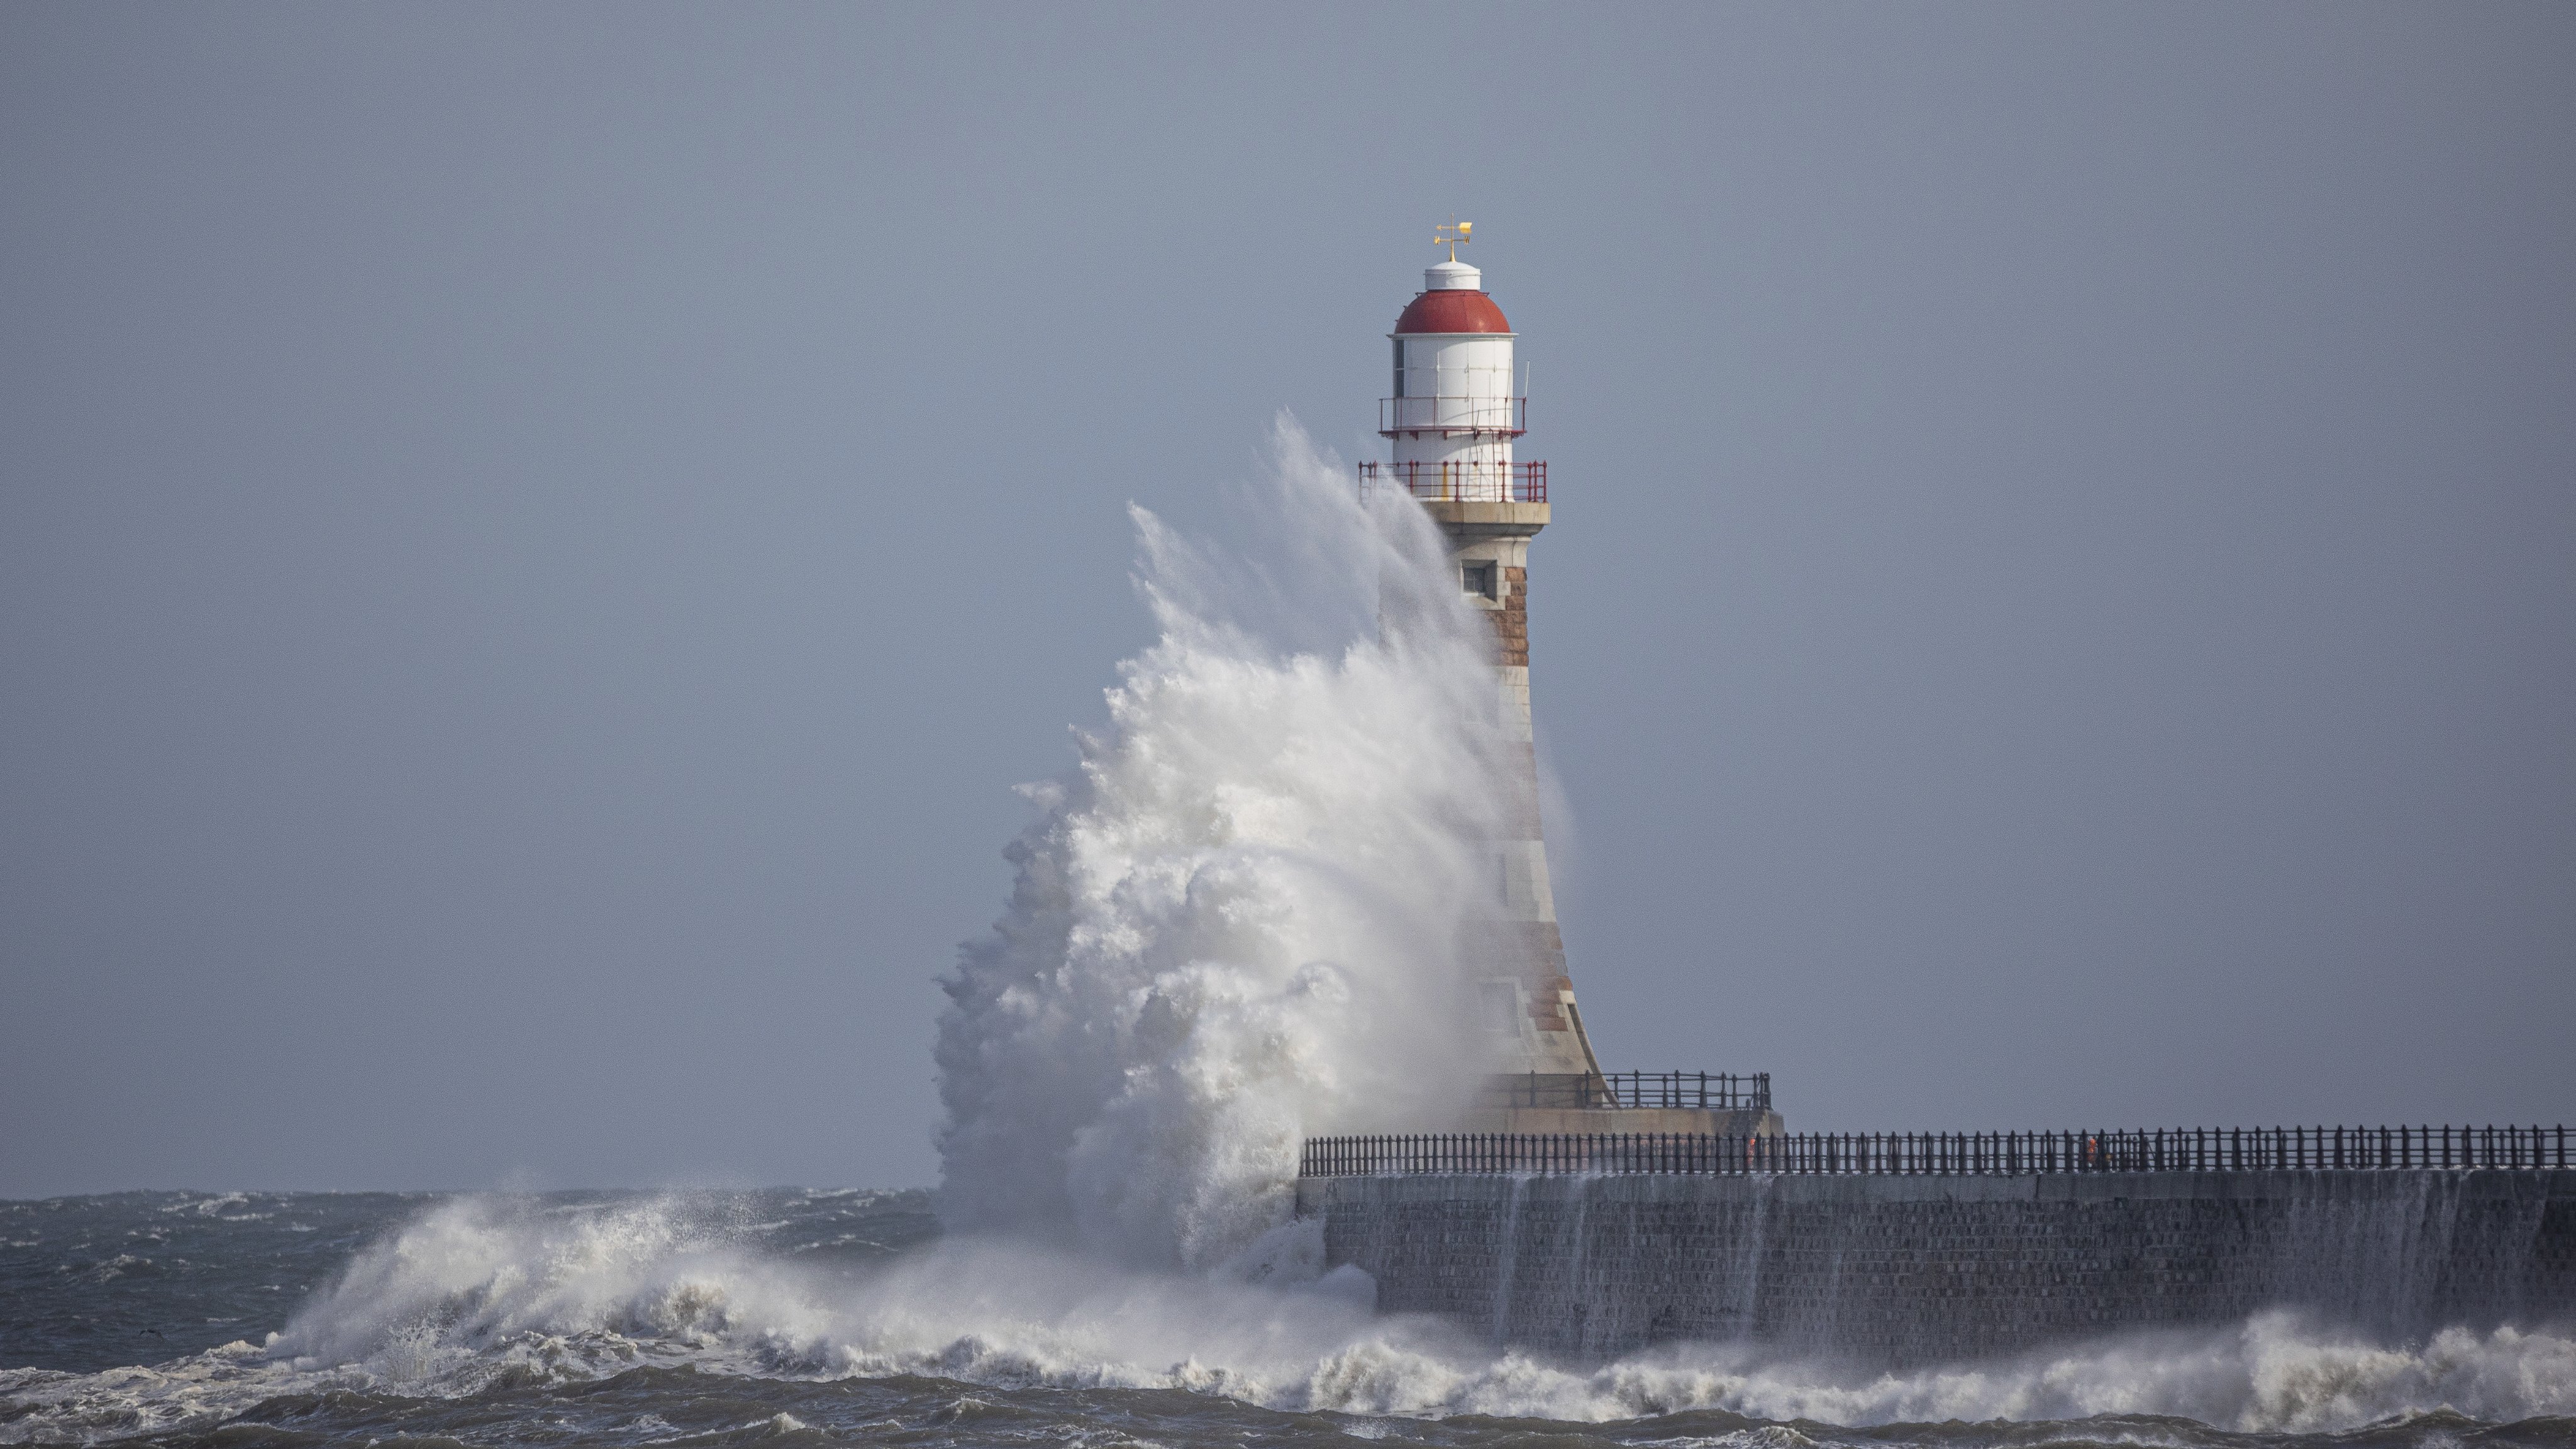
<point>535,540</point>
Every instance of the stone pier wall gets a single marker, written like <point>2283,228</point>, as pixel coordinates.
<point>1899,1269</point>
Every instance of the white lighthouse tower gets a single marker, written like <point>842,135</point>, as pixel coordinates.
<point>1455,410</point>
<point>1453,415</point>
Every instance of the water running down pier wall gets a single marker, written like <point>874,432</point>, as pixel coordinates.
<point>1910,1269</point>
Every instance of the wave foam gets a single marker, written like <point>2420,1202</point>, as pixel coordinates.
<point>477,1293</point>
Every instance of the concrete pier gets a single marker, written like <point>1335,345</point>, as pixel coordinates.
<point>1911,1269</point>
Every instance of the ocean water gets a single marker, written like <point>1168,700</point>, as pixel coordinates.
<point>1234,925</point>
<point>789,1316</point>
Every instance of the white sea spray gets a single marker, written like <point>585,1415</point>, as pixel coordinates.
<point>1234,924</point>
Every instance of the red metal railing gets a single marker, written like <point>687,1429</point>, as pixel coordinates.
<point>1468,482</point>
<point>1453,413</point>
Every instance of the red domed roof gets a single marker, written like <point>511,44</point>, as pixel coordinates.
<point>1452,310</point>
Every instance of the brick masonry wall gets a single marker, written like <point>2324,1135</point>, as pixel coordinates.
<point>1511,621</point>
<point>1906,1270</point>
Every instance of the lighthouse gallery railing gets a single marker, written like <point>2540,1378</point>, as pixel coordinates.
<point>2186,1149</point>
<point>1461,482</point>
<point>1452,413</point>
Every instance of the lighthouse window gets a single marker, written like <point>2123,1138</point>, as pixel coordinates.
<point>1479,579</point>
<point>1399,367</point>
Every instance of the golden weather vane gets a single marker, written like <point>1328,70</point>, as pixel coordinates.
<point>1453,235</point>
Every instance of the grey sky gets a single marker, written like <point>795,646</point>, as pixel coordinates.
<point>534,540</point>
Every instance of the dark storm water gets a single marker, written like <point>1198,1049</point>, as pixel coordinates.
<point>782,1316</point>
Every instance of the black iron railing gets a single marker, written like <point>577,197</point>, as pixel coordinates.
<point>1704,1091</point>
<point>2186,1149</point>
<point>1720,1091</point>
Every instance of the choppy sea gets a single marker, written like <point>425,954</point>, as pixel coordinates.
<point>790,1316</point>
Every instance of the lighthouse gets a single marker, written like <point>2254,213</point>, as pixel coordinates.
<point>1455,408</point>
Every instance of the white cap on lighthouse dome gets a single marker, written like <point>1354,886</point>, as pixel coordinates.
<point>1453,276</point>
